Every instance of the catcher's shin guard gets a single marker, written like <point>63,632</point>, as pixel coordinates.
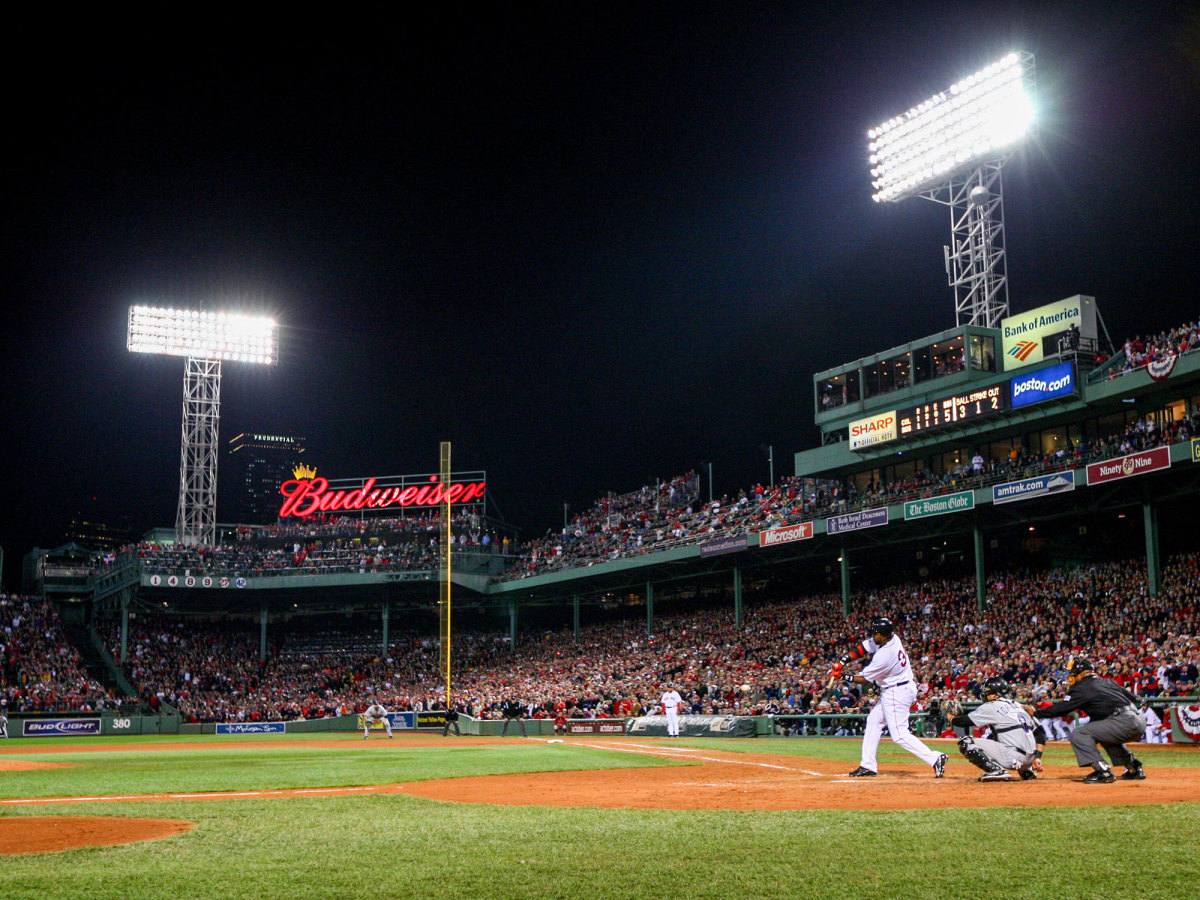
<point>974,755</point>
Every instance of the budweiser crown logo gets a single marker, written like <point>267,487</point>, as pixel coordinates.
<point>301,471</point>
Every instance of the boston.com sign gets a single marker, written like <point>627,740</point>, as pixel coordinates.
<point>1030,337</point>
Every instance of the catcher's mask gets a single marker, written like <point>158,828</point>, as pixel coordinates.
<point>995,685</point>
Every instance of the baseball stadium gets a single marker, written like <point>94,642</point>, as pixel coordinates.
<point>678,693</point>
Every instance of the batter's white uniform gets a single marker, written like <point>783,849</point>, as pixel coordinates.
<point>670,703</point>
<point>376,713</point>
<point>1154,734</point>
<point>890,669</point>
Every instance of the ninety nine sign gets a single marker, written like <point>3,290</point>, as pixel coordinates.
<point>1133,464</point>
<point>939,506</point>
<point>801,532</point>
<point>305,496</point>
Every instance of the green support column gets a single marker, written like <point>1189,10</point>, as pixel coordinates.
<point>845,582</point>
<point>980,578</point>
<point>737,597</point>
<point>512,624</point>
<point>387,613</point>
<point>124,625</point>
<point>1153,557</point>
<point>262,633</point>
<point>649,609</point>
<point>575,616</point>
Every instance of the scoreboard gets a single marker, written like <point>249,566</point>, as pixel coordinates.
<point>957,409</point>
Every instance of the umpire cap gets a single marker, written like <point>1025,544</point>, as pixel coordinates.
<point>1079,664</point>
<point>882,625</point>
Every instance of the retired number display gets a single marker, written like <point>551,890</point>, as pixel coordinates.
<point>952,410</point>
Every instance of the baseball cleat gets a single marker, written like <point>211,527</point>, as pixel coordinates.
<point>1098,777</point>
<point>995,775</point>
<point>862,772</point>
<point>1027,774</point>
<point>1134,773</point>
<point>939,766</point>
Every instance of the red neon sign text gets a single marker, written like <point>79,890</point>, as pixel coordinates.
<point>306,496</point>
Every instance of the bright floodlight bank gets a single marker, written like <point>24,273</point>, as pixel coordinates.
<point>950,149</point>
<point>204,335</point>
<point>981,117</point>
<point>205,339</point>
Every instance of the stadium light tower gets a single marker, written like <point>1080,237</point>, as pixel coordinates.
<point>950,149</point>
<point>206,339</point>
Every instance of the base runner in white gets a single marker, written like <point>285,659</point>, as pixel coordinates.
<point>670,703</point>
<point>376,713</point>
<point>889,668</point>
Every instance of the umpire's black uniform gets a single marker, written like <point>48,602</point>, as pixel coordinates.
<point>1114,720</point>
<point>513,712</point>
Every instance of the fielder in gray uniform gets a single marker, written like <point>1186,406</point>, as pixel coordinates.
<point>1014,741</point>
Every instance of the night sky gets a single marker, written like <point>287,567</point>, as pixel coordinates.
<point>590,244</point>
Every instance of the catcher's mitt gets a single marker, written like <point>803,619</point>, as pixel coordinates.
<point>951,708</point>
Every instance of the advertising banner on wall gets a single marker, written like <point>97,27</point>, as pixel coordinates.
<point>939,506</point>
<point>725,545</point>
<point>873,430</point>
<point>801,532</point>
<point>856,521</point>
<point>1195,449</point>
<point>251,727</point>
<point>1044,384</point>
<point>1132,464</point>
<point>597,726</point>
<point>1030,337</point>
<point>1028,488</point>
<point>59,727</point>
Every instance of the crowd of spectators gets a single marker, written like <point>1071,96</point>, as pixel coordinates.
<point>325,545</point>
<point>1158,348</point>
<point>639,528</point>
<point>776,663</point>
<point>40,668</point>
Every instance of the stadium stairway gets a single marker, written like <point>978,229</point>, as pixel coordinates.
<point>98,662</point>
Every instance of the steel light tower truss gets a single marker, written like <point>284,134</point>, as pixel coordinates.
<point>205,339</point>
<point>951,149</point>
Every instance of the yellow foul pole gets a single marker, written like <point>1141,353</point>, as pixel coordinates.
<point>447,544</point>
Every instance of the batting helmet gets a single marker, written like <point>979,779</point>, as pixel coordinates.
<point>995,685</point>
<point>882,625</point>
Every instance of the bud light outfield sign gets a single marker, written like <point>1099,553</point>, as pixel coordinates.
<point>59,727</point>
<point>1044,384</point>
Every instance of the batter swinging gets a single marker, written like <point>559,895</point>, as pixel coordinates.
<point>889,668</point>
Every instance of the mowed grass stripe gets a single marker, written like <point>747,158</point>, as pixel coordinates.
<point>389,845</point>
<point>279,767</point>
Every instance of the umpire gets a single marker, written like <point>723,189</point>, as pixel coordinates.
<point>513,711</point>
<point>1114,720</point>
<point>451,722</point>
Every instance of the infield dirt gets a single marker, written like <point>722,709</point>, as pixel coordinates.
<point>714,780</point>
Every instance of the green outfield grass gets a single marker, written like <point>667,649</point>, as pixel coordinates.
<point>400,846</point>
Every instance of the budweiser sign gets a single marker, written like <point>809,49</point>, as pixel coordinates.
<point>306,496</point>
<point>801,532</point>
<point>1133,464</point>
